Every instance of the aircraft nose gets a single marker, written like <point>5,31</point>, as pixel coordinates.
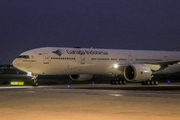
<point>16,63</point>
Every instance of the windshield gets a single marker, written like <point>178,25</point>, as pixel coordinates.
<point>24,56</point>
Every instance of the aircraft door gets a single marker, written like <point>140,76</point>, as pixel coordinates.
<point>166,58</point>
<point>130,59</point>
<point>45,58</point>
<point>82,59</point>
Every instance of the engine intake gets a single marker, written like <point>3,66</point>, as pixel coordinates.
<point>81,77</point>
<point>137,72</point>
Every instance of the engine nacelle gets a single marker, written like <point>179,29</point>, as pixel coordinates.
<point>81,77</point>
<point>137,72</point>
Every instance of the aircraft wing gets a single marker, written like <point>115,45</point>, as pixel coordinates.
<point>154,66</point>
<point>163,64</point>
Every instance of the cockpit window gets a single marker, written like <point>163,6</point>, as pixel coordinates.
<point>24,56</point>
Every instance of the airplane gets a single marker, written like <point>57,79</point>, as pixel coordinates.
<point>82,63</point>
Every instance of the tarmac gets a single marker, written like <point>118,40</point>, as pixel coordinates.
<point>91,102</point>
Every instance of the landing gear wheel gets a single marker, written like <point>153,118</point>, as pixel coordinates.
<point>112,82</point>
<point>143,83</point>
<point>147,82</point>
<point>120,82</point>
<point>156,82</point>
<point>152,82</point>
<point>124,82</point>
<point>35,82</point>
<point>116,82</point>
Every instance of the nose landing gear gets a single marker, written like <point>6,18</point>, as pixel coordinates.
<point>35,82</point>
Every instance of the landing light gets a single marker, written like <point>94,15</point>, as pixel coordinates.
<point>115,66</point>
<point>29,74</point>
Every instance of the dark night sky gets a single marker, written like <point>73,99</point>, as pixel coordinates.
<point>116,24</point>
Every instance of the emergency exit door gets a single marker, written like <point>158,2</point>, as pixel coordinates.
<point>45,58</point>
<point>82,59</point>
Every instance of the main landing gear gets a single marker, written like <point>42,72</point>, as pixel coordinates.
<point>35,82</point>
<point>150,82</point>
<point>118,81</point>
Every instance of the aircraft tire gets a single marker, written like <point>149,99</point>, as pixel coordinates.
<point>152,82</point>
<point>148,82</point>
<point>156,82</point>
<point>112,82</point>
<point>120,82</point>
<point>35,84</point>
<point>143,83</point>
<point>124,82</point>
<point>116,82</point>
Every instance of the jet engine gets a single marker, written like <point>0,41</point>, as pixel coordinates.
<point>137,72</point>
<point>81,77</point>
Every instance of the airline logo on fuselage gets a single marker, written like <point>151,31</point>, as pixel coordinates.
<point>83,52</point>
<point>57,52</point>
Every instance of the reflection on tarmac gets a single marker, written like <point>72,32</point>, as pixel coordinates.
<point>90,102</point>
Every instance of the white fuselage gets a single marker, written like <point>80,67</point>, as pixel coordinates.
<point>64,61</point>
